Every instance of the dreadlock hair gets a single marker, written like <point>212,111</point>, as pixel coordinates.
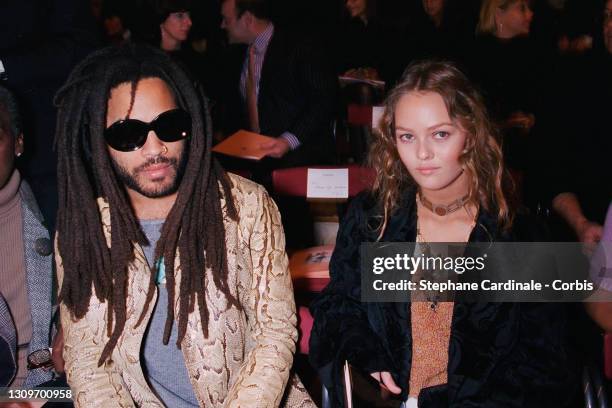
<point>194,225</point>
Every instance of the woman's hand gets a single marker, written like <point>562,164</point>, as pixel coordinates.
<point>386,381</point>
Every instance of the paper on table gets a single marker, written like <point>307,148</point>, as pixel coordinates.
<point>243,144</point>
<point>327,183</point>
<point>377,112</point>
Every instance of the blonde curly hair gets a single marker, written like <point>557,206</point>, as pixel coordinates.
<point>482,160</point>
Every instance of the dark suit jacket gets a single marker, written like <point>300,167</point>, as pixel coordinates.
<point>297,94</point>
<point>500,354</point>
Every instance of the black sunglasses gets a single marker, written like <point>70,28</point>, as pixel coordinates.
<point>129,135</point>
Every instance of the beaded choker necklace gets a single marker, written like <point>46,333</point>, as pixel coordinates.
<point>441,209</point>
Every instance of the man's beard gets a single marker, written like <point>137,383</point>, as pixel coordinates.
<point>130,179</point>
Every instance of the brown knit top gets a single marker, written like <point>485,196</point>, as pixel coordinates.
<point>431,330</point>
<point>430,337</point>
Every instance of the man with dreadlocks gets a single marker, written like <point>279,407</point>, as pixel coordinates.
<point>174,282</point>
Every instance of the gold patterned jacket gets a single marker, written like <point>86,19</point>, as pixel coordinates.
<point>247,357</point>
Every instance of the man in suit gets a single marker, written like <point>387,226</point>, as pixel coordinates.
<point>278,86</point>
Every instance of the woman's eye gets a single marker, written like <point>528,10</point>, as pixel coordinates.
<point>406,137</point>
<point>441,135</point>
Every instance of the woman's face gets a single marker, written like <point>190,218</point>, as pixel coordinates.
<point>607,26</point>
<point>514,21</point>
<point>356,8</point>
<point>433,8</point>
<point>177,25</point>
<point>429,143</point>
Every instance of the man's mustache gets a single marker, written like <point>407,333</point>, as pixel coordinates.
<point>154,161</point>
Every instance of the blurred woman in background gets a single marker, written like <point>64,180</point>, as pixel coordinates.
<point>167,24</point>
<point>514,75</point>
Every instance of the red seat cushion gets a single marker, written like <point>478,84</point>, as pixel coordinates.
<point>608,355</point>
<point>305,326</point>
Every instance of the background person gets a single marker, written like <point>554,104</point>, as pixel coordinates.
<point>26,271</point>
<point>580,179</point>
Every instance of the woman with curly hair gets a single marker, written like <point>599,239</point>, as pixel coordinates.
<point>439,178</point>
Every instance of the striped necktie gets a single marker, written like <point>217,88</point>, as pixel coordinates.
<point>251,92</point>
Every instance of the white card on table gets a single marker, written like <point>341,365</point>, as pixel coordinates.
<point>327,183</point>
<point>377,112</point>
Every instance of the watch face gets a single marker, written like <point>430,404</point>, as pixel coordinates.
<point>39,358</point>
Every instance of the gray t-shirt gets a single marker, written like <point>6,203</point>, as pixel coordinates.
<point>164,365</point>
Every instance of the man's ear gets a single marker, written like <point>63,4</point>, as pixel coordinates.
<point>19,145</point>
<point>249,19</point>
<point>498,17</point>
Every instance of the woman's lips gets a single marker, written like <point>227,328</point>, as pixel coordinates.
<point>426,170</point>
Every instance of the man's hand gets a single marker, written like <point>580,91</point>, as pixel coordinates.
<point>386,381</point>
<point>589,233</point>
<point>277,149</point>
<point>57,350</point>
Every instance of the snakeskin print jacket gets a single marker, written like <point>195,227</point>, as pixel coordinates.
<point>246,359</point>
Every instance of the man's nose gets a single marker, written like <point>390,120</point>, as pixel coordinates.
<point>153,147</point>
